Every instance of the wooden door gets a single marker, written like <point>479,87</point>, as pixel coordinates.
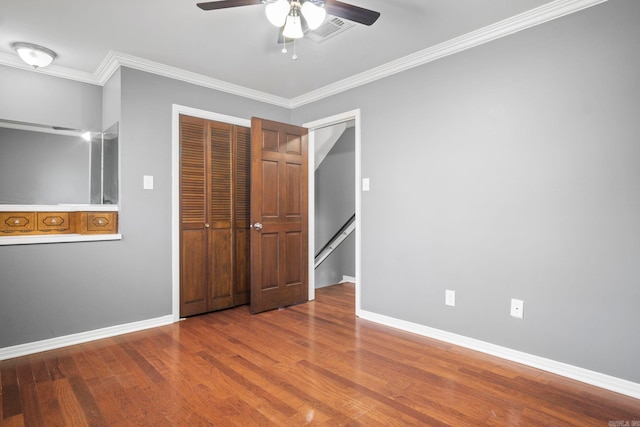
<point>241,197</point>
<point>279,213</point>
<point>193,216</point>
<point>220,218</point>
<point>214,215</point>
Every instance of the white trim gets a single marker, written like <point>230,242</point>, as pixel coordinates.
<point>311,214</point>
<point>328,121</point>
<point>194,78</point>
<point>82,337</point>
<point>114,60</point>
<point>52,70</point>
<point>175,190</point>
<point>597,379</point>
<point>537,16</point>
<point>57,238</point>
<point>348,279</point>
<point>59,208</point>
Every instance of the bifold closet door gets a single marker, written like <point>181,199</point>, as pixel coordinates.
<point>242,212</point>
<point>213,228</point>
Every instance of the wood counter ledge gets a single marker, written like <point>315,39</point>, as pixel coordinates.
<point>27,224</point>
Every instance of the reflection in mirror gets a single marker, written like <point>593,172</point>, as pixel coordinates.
<point>104,167</point>
<point>50,165</point>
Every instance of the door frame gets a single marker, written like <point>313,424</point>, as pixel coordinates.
<point>313,126</point>
<point>177,110</point>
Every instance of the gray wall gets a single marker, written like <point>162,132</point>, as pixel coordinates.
<point>334,205</point>
<point>53,290</point>
<point>518,159</point>
<point>43,168</point>
<point>511,170</point>
<point>32,97</point>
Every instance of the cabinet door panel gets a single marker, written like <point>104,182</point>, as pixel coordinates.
<point>17,222</point>
<point>193,268</point>
<point>220,269</point>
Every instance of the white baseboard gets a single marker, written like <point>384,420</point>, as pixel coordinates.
<point>82,337</point>
<point>349,279</point>
<point>579,374</point>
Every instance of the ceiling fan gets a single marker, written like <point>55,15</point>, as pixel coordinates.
<point>292,15</point>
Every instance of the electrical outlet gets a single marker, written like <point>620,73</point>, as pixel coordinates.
<point>517,308</point>
<point>450,298</point>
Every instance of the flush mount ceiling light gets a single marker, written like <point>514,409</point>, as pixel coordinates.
<point>34,55</point>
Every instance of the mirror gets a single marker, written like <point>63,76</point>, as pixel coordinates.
<point>104,167</point>
<point>50,165</point>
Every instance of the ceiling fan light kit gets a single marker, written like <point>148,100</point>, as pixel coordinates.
<point>293,27</point>
<point>288,13</point>
<point>277,12</point>
<point>294,17</point>
<point>313,14</point>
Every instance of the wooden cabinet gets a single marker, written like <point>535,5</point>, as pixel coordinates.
<point>214,215</point>
<point>17,222</point>
<point>57,222</point>
<point>98,222</point>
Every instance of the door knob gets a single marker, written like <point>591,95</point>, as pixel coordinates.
<point>206,225</point>
<point>257,226</point>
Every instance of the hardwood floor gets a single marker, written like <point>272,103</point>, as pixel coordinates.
<point>314,364</point>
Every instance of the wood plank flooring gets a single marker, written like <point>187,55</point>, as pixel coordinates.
<point>312,364</point>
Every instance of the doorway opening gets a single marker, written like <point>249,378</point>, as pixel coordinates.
<point>350,120</point>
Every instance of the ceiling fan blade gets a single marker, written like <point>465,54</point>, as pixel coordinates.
<point>350,12</point>
<point>224,4</point>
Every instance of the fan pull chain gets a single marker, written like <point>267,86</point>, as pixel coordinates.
<point>295,55</point>
<point>284,46</point>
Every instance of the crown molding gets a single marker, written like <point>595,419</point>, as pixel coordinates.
<point>115,60</point>
<point>531,18</point>
<point>52,70</point>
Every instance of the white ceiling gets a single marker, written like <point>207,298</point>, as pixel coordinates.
<point>238,45</point>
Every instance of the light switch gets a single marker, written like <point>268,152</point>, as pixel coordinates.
<point>365,184</point>
<point>148,182</point>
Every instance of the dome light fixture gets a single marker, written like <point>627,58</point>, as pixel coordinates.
<point>33,54</point>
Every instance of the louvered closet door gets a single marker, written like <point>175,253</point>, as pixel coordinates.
<point>242,195</point>
<point>220,233</point>
<point>193,216</point>
<point>214,198</point>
